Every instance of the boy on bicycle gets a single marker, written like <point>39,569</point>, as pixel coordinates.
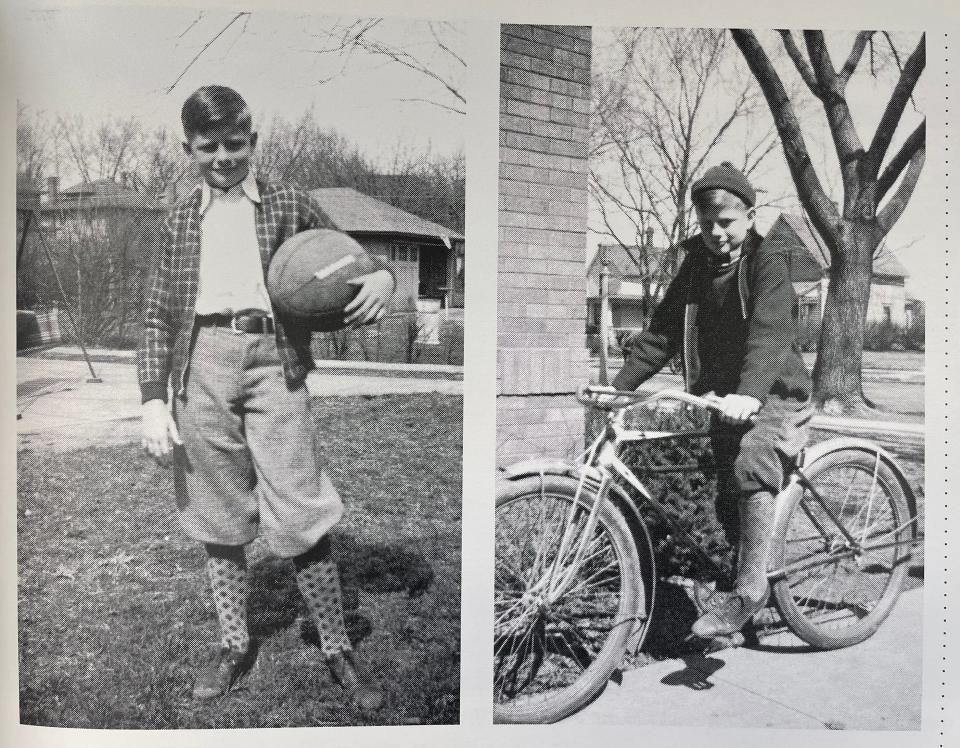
<point>240,429</point>
<point>731,312</point>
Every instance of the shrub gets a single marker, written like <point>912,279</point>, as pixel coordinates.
<point>914,335</point>
<point>881,336</point>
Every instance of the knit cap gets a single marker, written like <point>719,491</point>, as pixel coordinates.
<point>727,177</point>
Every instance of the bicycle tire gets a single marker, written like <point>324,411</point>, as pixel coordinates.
<point>851,593</point>
<point>554,684</point>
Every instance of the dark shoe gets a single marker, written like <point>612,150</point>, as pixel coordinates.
<point>218,677</point>
<point>727,615</point>
<point>363,693</point>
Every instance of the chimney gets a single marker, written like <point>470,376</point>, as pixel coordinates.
<point>649,237</point>
<point>53,190</point>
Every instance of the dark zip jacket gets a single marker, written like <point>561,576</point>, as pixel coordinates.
<point>758,355</point>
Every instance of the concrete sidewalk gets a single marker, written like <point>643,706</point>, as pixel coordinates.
<point>875,685</point>
<point>58,408</point>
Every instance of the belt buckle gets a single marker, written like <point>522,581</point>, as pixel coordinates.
<point>233,325</point>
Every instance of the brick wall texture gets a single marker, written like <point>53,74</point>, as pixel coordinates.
<point>544,137</point>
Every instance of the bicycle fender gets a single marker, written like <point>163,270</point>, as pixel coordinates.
<point>541,466</point>
<point>556,466</point>
<point>818,450</point>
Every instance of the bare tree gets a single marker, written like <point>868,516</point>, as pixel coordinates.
<point>310,156</point>
<point>665,103</point>
<point>33,147</point>
<point>439,63</point>
<point>870,207</point>
<point>108,151</point>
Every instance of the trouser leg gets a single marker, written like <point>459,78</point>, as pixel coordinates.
<point>298,503</point>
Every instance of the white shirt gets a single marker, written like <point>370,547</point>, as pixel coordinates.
<point>231,271</point>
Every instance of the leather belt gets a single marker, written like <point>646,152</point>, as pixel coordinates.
<point>252,321</point>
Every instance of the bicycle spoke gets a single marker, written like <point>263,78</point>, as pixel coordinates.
<point>842,552</point>
<point>545,640</point>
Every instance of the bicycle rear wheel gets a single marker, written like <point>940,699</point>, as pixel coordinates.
<point>554,652</point>
<point>835,587</point>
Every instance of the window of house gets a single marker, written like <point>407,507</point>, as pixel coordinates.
<point>887,314</point>
<point>403,253</point>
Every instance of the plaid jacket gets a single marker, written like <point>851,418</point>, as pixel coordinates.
<point>172,290</point>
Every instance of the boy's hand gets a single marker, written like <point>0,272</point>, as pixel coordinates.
<point>159,430</point>
<point>370,303</point>
<point>735,409</point>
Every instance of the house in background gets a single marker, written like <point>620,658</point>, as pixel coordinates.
<point>92,208</point>
<point>637,277</point>
<point>428,258</point>
<point>809,261</point>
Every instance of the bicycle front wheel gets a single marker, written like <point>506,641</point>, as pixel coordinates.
<point>556,645</point>
<point>842,558</point>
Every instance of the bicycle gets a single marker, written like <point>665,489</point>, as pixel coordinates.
<point>575,566</point>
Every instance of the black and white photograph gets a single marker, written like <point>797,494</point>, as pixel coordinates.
<point>240,264</point>
<point>665,459</point>
<point>713,267</point>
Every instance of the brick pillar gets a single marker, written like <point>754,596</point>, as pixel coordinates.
<point>544,138</point>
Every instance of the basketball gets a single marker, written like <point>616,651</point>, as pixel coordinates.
<point>308,276</point>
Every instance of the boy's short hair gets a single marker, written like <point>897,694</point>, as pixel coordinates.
<point>213,107</point>
<point>725,177</point>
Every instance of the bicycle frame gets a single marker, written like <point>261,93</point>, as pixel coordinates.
<point>601,462</point>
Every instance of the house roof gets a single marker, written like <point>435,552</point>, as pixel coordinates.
<point>103,193</point>
<point>621,262</point>
<point>790,228</point>
<point>352,211</point>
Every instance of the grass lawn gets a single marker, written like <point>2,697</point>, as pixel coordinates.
<point>115,612</point>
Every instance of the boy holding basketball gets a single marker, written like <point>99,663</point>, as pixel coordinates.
<point>240,428</point>
<point>731,311</point>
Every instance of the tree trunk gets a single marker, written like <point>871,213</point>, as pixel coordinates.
<point>837,384</point>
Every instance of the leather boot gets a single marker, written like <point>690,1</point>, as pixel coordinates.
<point>752,589</point>
<point>218,677</point>
<point>362,692</point>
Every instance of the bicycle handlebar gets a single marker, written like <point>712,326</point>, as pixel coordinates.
<point>591,394</point>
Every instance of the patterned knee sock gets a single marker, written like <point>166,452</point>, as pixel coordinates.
<point>319,584</point>
<point>227,569</point>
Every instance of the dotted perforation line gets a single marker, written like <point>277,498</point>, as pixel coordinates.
<point>946,372</point>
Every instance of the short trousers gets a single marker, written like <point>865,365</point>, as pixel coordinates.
<point>249,462</point>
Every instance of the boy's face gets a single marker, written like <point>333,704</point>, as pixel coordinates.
<point>724,227</point>
<point>222,155</point>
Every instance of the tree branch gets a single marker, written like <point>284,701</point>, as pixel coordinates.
<point>800,62</point>
<point>898,101</point>
<point>821,62</point>
<point>888,216</point>
<point>842,129</point>
<point>815,201</point>
<point>917,139</point>
<point>205,47</point>
<point>853,59</point>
